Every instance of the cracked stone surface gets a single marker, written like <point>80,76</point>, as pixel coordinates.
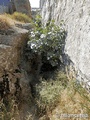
<point>76,16</point>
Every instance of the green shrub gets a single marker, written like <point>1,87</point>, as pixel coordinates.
<point>47,41</point>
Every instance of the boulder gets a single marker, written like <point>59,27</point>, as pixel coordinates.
<point>11,52</point>
<point>11,49</point>
<point>23,6</point>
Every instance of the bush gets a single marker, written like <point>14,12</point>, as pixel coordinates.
<point>20,17</point>
<point>47,41</point>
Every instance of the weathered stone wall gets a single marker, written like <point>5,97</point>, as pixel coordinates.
<point>41,3</point>
<point>76,15</point>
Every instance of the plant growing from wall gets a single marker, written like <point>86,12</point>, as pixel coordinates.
<point>47,41</point>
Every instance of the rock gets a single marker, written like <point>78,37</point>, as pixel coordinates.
<point>26,26</point>
<point>42,3</point>
<point>11,6</point>
<point>23,6</point>
<point>10,49</point>
<point>11,54</point>
<point>76,17</point>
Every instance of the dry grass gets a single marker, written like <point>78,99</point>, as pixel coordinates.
<point>8,21</point>
<point>73,100</point>
<point>63,97</point>
<point>20,17</point>
<point>9,111</point>
<point>49,92</point>
<point>4,24</point>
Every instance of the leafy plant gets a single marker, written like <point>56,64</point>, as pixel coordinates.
<point>47,41</point>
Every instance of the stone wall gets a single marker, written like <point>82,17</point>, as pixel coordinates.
<point>41,3</point>
<point>76,16</point>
